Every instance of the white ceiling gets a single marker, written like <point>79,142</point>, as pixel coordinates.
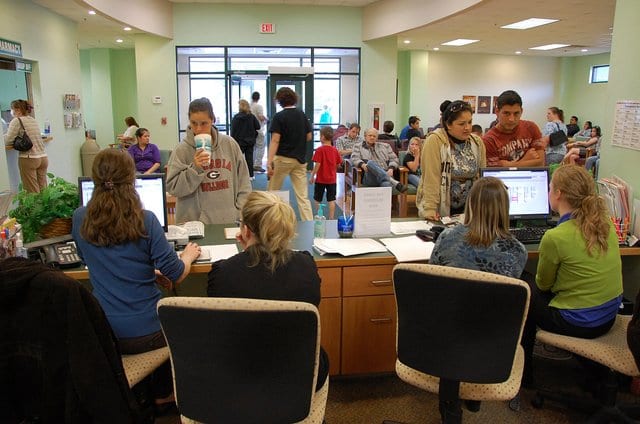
<point>584,24</point>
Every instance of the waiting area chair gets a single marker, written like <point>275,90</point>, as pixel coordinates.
<point>610,350</point>
<point>137,367</point>
<point>244,360</point>
<point>459,333</point>
<point>353,180</point>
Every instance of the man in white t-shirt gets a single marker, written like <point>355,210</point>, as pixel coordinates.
<point>258,150</point>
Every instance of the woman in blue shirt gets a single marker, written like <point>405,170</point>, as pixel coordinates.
<point>125,249</point>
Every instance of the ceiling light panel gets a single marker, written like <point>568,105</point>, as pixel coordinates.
<point>529,23</point>
<point>549,47</point>
<point>459,42</point>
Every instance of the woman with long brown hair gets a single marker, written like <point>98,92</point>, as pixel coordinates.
<point>578,286</point>
<point>483,243</point>
<point>125,249</point>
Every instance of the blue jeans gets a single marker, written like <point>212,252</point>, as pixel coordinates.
<point>593,161</point>
<point>414,180</point>
<point>376,176</point>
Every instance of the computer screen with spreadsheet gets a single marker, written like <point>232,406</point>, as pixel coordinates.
<point>528,191</point>
<point>150,188</point>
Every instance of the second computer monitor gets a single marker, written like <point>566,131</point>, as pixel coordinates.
<point>528,191</point>
<point>150,188</point>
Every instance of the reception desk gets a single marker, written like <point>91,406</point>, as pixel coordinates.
<point>357,311</point>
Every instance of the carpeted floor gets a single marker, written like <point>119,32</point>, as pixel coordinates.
<point>372,399</point>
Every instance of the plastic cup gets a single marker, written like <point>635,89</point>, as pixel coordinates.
<point>203,141</point>
<point>345,226</point>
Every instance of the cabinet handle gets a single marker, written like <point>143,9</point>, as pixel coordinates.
<point>380,283</point>
<point>380,320</point>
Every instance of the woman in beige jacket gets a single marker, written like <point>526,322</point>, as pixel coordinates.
<point>33,163</point>
<point>451,160</point>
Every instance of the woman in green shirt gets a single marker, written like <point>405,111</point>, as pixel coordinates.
<point>579,278</point>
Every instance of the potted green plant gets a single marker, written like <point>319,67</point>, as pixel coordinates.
<point>48,213</point>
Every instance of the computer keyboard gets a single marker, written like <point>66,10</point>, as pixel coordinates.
<point>528,234</point>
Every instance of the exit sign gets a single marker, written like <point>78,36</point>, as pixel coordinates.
<point>267,28</point>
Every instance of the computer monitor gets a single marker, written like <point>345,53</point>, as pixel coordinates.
<point>150,188</point>
<point>528,191</point>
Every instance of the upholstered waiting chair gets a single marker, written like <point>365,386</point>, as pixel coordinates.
<point>138,366</point>
<point>459,333</point>
<point>353,179</point>
<point>611,351</point>
<point>244,360</point>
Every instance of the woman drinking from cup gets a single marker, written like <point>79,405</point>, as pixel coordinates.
<point>207,172</point>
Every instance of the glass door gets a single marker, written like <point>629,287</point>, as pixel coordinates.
<point>302,84</point>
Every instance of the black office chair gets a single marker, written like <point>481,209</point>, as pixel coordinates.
<point>459,333</point>
<point>244,360</point>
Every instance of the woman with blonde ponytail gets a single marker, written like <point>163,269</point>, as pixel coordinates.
<point>268,268</point>
<point>578,285</point>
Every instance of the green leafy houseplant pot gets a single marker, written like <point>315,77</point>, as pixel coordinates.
<point>48,213</point>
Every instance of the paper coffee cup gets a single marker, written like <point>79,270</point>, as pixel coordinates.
<point>203,141</point>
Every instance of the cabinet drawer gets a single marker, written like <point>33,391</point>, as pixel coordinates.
<point>367,280</point>
<point>331,285</point>
<point>368,334</point>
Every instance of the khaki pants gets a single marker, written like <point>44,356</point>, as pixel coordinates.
<point>33,172</point>
<point>297,172</point>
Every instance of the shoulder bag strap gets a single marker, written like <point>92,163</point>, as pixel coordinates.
<point>23,129</point>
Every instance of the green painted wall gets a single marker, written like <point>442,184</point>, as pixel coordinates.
<point>579,97</point>
<point>124,91</point>
<point>100,80</point>
<point>49,40</point>
<point>624,84</point>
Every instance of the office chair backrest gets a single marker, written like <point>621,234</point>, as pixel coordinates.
<point>458,324</point>
<point>242,360</point>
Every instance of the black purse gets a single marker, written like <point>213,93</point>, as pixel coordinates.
<point>22,142</point>
<point>558,137</point>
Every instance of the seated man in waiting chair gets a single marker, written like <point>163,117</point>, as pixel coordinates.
<point>377,161</point>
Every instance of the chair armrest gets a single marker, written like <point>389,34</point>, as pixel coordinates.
<point>404,175</point>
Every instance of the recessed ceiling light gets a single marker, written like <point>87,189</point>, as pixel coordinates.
<point>529,23</point>
<point>407,41</point>
<point>459,42</point>
<point>92,12</point>
<point>119,40</point>
<point>127,28</point>
<point>436,48</point>
<point>518,52</point>
<point>549,47</point>
<point>584,50</point>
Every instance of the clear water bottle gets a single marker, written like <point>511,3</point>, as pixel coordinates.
<point>21,251</point>
<point>47,127</point>
<point>320,223</point>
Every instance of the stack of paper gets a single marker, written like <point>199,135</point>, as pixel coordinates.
<point>617,196</point>
<point>409,227</point>
<point>409,249</point>
<point>347,247</point>
<point>212,253</point>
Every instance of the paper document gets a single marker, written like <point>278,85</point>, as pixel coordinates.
<point>410,227</point>
<point>217,252</point>
<point>230,233</point>
<point>347,247</point>
<point>409,249</point>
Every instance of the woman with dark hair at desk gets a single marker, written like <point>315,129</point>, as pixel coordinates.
<point>579,278</point>
<point>268,268</point>
<point>451,160</point>
<point>125,249</point>
<point>483,243</point>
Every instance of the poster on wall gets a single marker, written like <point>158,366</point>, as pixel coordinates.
<point>484,104</point>
<point>471,100</point>
<point>495,104</point>
<point>626,124</point>
<point>376,114</point>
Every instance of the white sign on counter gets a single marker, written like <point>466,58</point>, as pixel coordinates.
<point>373,211</point>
